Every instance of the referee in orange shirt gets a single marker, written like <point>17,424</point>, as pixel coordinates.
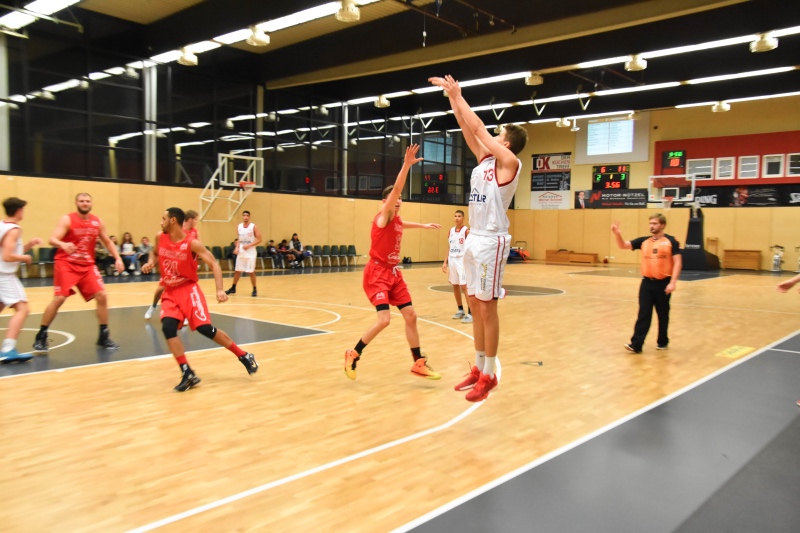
<point>661,266</point>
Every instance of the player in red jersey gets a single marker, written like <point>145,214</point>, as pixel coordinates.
<point>189,227</point>
<point>383,282</point>
<point>183,299</point>
<point>75,236</point>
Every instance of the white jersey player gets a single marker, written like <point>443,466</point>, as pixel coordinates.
<point>249,237</point>
<point>12,294</point>
<point>492,186</point>
<point>454,266</point>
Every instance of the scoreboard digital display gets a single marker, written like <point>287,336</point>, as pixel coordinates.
<point>610,177</point>
<point>434,186</point>
<point>673,159</point>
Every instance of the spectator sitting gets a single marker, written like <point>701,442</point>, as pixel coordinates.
<point>127,250</point>
<point>288,255</point>
<point>233,250</point>
<point>272,252</point>
<point>102,259</point>
<point>296,247</point>
<point>143,252</point>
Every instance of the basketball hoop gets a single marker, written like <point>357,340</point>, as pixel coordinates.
<point>666,202</point>
<point>247,185</point>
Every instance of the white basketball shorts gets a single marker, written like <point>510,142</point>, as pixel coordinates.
<point>485,260</point>
<point>11,290</point>
<point>455,271</point>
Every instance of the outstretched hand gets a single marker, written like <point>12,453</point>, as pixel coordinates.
<point>615,227</point>
<point>448,84</point>
<point>411,155</point>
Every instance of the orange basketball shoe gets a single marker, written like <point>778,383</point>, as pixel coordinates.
<point>482,388</point>
<point>420,368</point>
<point>470,381</point>
<point>351,357</point>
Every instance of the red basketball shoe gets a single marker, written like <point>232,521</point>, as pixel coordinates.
<point>482,388</point>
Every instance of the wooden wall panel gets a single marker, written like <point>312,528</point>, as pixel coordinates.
<point>752,232</point>
<point>570,230</point>
<point>545,233</point>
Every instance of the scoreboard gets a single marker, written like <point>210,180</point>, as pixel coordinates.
<point>434,187</point>
<point>606,177</point>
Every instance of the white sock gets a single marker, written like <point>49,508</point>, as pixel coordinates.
<point>488,366</point>
<point>479,358</point>
<point>8,345</point>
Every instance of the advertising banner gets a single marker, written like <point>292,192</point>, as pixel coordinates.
<point>608,199</point>
<point>550,200</point>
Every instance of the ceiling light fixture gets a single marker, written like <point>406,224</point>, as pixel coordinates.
<point>349,12</point>
<point>534,78</point>
<point>257,37</point>
<point>764,43</point>
<point>575,126</point>
<point>382,102</point>
<point>636,63</point>
<point>562,123</point>
<point>131,73</point>
<point>187,58</point>
<point>229,124</point>
<point>720,107</point>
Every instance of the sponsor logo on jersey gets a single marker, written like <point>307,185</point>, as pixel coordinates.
<point>476,197</point>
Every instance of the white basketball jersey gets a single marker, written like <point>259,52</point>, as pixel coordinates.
<point>247,236</point>
<point>10,267</point>
<point>457,241</point>
<point>489,202</point>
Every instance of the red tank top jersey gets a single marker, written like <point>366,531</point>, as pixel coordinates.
<point>385,246</point>
<point>83,234</point>
<point>176,262</point>
<point>192,233</point>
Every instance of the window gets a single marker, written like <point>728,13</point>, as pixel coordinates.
<point>748,167</point>
<point>793,169</point>
<point>331,184</point>
<point>701,168</point>
<point>773,166</point>
<point>725,168</point>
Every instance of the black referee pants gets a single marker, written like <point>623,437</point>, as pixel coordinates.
<point>651,294</point>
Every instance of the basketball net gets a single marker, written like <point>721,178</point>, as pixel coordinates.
<point>666,202</point>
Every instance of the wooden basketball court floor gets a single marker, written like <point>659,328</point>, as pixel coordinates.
<point>299,447</point>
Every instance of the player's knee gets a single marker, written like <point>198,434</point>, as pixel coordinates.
<point>169,326</point>
<point>100,298</point>
<point>207,330</point>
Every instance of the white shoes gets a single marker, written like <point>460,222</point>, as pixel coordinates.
<point>149,314</point>
<point>467,319</point>
<point>458,315</point>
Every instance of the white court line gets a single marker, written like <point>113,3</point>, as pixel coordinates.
<point>337,315</point>
<point>327,466</point>
<point>555,453</point>
<point>779,350</point>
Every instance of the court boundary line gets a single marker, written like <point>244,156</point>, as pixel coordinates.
<point>586,438</point>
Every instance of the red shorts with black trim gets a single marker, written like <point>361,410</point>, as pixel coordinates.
<point>185,301</point>
<point>385,285</point>
<point>86,278</point>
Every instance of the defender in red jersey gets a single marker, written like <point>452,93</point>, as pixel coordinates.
<point>75,236</point>
<point>383,282</point>
<point>183,299</point>
<point>189,227</point>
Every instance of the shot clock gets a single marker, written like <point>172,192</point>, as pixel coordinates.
<point>607,177</point>
<point>434,186</point>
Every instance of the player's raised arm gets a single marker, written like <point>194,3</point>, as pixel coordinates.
<point>472,125</point>
<point>621,243</point>
<point>387,210</point>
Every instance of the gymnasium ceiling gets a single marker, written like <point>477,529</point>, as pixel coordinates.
<point>471,39</point>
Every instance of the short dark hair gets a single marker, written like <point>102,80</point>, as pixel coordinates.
<point>245,212</point>
<point>82,194</point>
<point>459,211</point>
<point>12,205</point>
<point>517,137</point>
<point>387,191</point>
<point>176,213</point>
<point>661,218</point>
<point>191,213</point>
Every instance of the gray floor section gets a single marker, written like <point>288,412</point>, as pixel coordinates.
<point>136,336</point>
<point>724,456</point>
